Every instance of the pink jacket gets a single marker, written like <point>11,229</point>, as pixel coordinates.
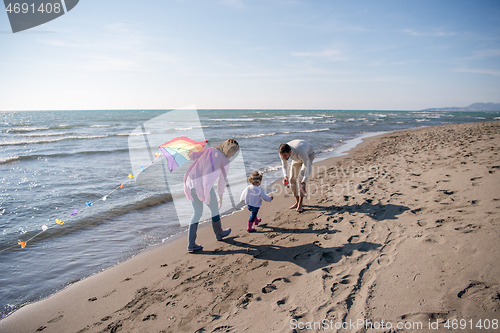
<point>202,174</point>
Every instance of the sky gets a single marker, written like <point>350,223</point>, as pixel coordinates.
<point>255,54</point>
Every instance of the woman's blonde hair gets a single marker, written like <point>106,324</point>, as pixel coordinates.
<point>230,145</point>
<point>255,178</point>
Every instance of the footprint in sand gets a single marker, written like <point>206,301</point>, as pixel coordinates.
<point>384,260</point>
<point>468,228</point>
<point>488,295</point>
<point>345,279</point>
<point>282,301</point>
<point>109,293</point>
<point>55,320</point>
<point>149,317</point>
<point>270,287</point>
<point>424,316</point>
<point>353,238</point>
<point>224,328</point>
<point>244,300</point>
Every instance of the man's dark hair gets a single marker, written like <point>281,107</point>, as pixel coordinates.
<point>285,148</point>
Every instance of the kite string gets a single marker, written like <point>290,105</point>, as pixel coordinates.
<point>103,198</point>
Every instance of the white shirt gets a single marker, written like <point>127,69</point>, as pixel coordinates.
<point>253,195</point>
<point>300,153</point>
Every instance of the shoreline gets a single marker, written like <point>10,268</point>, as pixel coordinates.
<point>359,140</point>
<point>153,274</point>
<point>348,142</point>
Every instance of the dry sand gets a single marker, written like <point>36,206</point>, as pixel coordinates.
<point>402,231</point>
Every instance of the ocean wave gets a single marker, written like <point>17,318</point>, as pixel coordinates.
<point>37,135</point>
<point>308,131</point>
<point>26,129</point>
<point>181,129</point>
<point>9,160</point>
<point>133,134</point>
<point>271,168</point>
<point>232,119</point>
<point>73,154</point>
<point>307,118</point>
<point>328,150</point>
<point>89,219</point>
<point>100,126</point>
<point>31,142</point>
<point>310,122</point>
<point>253,136</point>
<point>250,136</point>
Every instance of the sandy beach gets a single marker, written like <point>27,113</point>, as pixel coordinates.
<point>402,234</point>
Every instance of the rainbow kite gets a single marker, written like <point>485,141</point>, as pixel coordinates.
<point>177,151</point>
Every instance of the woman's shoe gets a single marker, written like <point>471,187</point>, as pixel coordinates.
<point>225,233</point>
<point>195,248</point>
<point>219,233</point>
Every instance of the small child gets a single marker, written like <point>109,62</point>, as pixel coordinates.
<point>253,195</point>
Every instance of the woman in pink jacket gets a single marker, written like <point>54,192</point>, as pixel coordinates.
<point>210,164</point>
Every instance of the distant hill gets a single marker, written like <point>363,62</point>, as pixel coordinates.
<point>472,107</point>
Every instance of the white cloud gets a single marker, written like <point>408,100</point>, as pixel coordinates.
<point>482,54</point>
<point>430,33</point>
<point>117,28</point>
<point>492,72</point>
<point>62,43</point>
<point>332,55</point>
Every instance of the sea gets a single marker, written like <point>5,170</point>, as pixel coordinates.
<point>87,169</point>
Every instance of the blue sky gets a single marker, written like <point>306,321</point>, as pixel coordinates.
<point>252,54</point>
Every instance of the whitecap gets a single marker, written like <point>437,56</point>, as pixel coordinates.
<point>9,159</point>
<point>230,119</point>
<point>30,142</point>
<point>26,129</point>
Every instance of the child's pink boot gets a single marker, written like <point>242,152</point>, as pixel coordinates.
<point>257,221</point>
<point>250,228</point>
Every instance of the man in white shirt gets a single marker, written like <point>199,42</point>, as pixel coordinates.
<point>302,155</point>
